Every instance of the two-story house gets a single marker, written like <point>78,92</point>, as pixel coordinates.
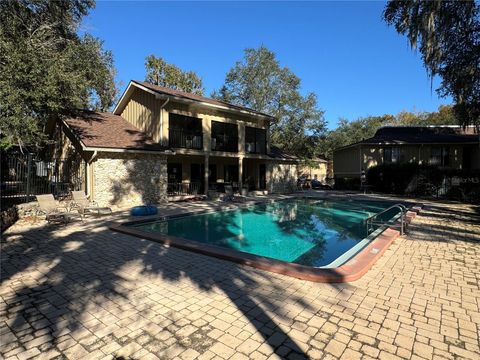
<point>161,144</point>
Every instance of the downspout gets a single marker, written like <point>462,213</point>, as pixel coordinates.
<point>161,120</point>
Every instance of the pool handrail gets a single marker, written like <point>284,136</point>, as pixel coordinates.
<point>403,212</point>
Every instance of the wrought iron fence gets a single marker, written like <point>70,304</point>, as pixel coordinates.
<point>25,175</point>
<point>192,188</point>
<point>185,139</point>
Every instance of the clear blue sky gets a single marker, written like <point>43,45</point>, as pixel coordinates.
<point>342,51</point>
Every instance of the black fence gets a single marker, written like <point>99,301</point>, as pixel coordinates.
<point>192,188</point>
<point>25,175</point>
<point>185,139</point>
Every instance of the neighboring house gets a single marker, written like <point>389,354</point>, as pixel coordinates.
<point>317,168</point>
<point>161,144</point>
<point>447,146</point>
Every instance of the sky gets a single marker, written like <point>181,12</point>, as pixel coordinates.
<point>342,51</point>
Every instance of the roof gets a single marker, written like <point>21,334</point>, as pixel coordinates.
<point>197,98</point>
<point>404,135</point>
<point>109,131</point>
<point>277,153</point>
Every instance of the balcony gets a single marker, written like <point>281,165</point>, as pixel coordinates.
<point>225,143</point>
<point>180,138</point>
<point>224,137</point>
<point>255,140</point>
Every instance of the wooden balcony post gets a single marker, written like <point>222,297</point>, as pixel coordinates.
<point>207,173</point>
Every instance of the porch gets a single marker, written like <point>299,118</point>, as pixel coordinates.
<point>192,175</point>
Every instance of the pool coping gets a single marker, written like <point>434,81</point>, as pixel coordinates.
<point>351,270</point>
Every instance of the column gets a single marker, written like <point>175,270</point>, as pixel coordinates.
<point>207,172</point>
<point>240,173</point>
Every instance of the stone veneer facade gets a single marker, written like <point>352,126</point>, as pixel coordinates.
<point>129,179</point>
<point>283,177</point>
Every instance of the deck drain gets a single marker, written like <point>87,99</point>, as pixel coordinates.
<point>374,251</point>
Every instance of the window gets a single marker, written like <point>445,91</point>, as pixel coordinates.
<point>439,156</point>
<point>255,140</point>
<point>185,131</point>
<point>391,155</point>
<point>224,136</point>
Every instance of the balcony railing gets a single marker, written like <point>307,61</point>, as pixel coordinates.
<point>224,143</point>
<point>192,188</point>
<point>178,138</point>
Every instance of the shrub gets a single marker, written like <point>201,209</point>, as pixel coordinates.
<point>345,183</point>
<point>424,180</point>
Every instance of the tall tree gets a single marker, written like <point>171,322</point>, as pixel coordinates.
<point>48,70</point>
<point>259,82</point>
<point>447,34</point>
<point>161,73</point>
<point>349,132</point>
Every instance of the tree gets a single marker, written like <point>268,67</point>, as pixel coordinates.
<point>447,34</point>
<point>260,83</point>
<point>349,132</point>
<point>48,70</point>
<point>159,72</point>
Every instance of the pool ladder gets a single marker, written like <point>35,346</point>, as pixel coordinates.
<point>372,220</point>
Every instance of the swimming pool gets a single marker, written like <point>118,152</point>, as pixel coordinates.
<point>309,232</point>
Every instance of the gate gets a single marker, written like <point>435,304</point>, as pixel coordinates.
<point>25,175</point>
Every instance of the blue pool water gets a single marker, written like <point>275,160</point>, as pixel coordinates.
<point>310,232</point>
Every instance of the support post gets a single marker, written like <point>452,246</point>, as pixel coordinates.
<point>240,174</point>
<point>207,173</point>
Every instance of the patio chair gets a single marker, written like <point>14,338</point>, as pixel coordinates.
<point>48,206</point>
<point>230,195</point>
<point>84,205</point>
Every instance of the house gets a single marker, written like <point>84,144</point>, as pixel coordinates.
<point>448,146</point>
<point>317,168</point>
<point>161,144</point>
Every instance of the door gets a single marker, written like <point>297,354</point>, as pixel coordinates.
<point>262,177</point>
<point>212,176</point>
<point>197,177</point>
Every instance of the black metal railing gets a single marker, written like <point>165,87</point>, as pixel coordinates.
<point>225,142</point>
<point>24,175</point>
<point>179,138</point>
<point>192,188</point>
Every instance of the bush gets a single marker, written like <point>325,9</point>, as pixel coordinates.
<point>342,183</point>
<point>424,180</point>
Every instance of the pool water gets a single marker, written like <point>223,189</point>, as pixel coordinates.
<point>309,232</point>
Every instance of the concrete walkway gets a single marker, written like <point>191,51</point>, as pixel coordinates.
<point>82,291</point>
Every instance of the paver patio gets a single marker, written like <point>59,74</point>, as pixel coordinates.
<point>82,291</point>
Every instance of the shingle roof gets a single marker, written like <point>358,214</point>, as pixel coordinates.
<point>397,135</point>
<point>189,96</point>
<point>106,130</point>
<point>277,153</point>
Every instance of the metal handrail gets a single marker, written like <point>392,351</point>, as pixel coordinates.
<point>403,212</point>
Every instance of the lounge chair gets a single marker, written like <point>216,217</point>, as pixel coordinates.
<point>84,205</point>
<point>48,206</point>
<point>230,195</point>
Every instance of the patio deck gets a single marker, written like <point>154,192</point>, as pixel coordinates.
<point>83,291</point>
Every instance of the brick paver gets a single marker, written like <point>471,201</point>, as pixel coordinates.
<point>82,291</point>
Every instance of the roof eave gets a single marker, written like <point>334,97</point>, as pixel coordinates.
<point>120,105</point>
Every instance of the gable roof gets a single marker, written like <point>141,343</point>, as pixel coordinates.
<point>188,97</point>
<point>109,131</point>
<point>404,135</point>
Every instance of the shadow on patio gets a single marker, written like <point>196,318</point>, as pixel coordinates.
<point>83,283</point>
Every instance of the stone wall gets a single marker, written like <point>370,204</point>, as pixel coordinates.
<point>282,177</point>
<point>127,179</point>
<point>8,218</point>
